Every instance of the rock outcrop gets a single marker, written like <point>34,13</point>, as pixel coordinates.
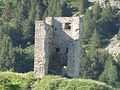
<point>114,3</point>
<point>114,47</point>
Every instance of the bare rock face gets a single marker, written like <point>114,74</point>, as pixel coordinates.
<point>114,47</point>
<point>114,3</point>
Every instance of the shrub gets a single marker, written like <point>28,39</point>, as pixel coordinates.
<point>15,81</point>
<point>59,83</point>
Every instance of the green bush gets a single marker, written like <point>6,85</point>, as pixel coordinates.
<point>15,81</point>
<point>59,83</point>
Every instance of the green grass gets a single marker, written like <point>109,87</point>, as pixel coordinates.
<point>59,83</point>
<point>15,81</point>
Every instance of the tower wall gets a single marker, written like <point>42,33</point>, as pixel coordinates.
<point>57,44</point>
<point>68,41</point>
<point>75,50</point>
<point>43,48</point>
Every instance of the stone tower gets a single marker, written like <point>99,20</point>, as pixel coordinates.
<point>58,43</point>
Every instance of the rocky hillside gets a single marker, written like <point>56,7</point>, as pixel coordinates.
<point>115,3</point>
<point>114,46</point>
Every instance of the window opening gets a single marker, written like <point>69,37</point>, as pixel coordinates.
<point>57,49</point>
<point>67,50</point>
<point>67,26</point>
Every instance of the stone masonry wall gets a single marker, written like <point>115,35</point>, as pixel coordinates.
<point>75,52</point>
<point>62,40</point>
<point>43,37</point>
<point>57,46</point>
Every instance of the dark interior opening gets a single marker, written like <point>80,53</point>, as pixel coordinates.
<point>57,49</point>
<point>67,50</point>
<point>67,26</point>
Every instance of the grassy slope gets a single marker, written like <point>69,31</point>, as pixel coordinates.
<point>15,81</point>
<point>60,83</point>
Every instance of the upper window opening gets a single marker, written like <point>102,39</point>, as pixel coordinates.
<point>55,28</point>
<point>67,26</point>
<point>67,50</point>
<point>57,49</point>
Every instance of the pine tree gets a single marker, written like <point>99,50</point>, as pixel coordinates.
<point>7,12</point>
<point>88,26</point>
<point>82,7</point>
<point>107,13</point>
<point>109,75</point>
<point>1,7</point>
<point>97,11</point>
<point>118,35</point>
<point>38,17</point>
<point>54,8</point>
<point>95,39</point>
<point>6,54</point>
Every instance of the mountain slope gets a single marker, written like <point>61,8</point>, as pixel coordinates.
<point>114,47</point>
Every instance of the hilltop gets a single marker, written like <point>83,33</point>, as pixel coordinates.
<point>15,81</point>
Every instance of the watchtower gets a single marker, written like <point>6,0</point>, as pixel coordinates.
<point>58,46</point>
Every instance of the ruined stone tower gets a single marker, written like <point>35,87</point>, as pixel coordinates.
<point>58,44</point>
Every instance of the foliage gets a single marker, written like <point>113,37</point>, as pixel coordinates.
<point>83,5</point>
<point>24,59</point>
<point>1,7</point>
<point>82,8</point>
<point>15,81</point>
<point>109,75</point>
<point>6,54</point>
<point>103,20</point>
<point>70,7</point>
<point>100,66</point>
<point>59,83</point>
<point>17,30</point>
<point>95,39</point>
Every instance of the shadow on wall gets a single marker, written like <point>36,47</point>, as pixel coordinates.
<point>58,47</point>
